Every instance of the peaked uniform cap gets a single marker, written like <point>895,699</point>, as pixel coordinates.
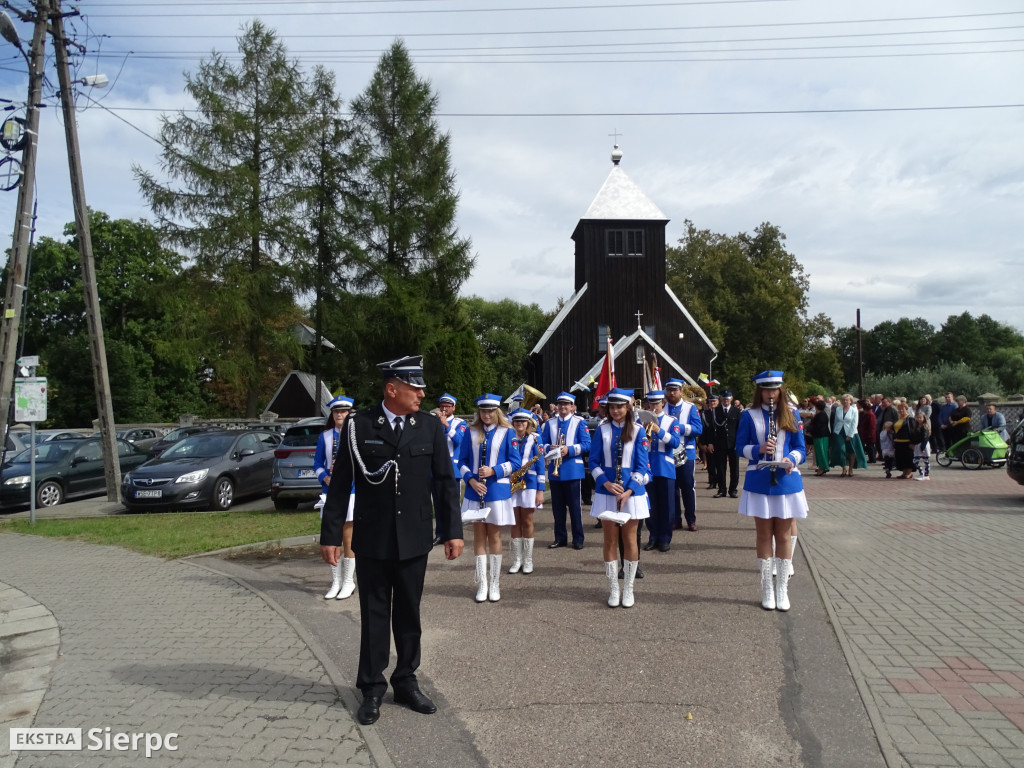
<point>621,396</point>
<point>408,369</point>
<point>341,403</point>
<point>521,415</point>
<point>673,383</point>
<point>654,395</point>
<point>768,379</point>
<point>565,397</point>
<point>446,398</point>
<point>487,401</point>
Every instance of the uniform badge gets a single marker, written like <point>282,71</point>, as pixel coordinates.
<point>380,420</point>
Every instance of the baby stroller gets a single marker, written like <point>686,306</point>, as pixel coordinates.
<point>977,450</point>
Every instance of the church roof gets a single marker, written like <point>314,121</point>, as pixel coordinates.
<point>621,198</point>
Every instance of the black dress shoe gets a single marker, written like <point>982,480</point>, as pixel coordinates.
<point>691,526</point>
<point>663,547</point>
<point>597,524</point>
<point>639,571</point>
<point>719,495</point>
<point>556,544</point>
<point>649,546</point>
<point>416,701</point>
<point>369,710</point>
<point>733,495</point>
<point>577,546</point>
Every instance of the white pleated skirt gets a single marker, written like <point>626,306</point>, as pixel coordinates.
<point>351,506</point>
<point>501,511</point>
<point>525,498</point>
<point>636,506</point>
<point>785,506</point>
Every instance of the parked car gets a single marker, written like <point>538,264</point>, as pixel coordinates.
<point>1015,453</point>
<point>48,435</point>
<point>142,438</point>
<point>293,479</point>
<point>174,436</point>
<point>207,470</point>
<point>15,445</point>
<point>65,469</point>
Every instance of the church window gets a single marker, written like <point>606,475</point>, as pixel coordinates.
<point>602,337</point>
<point>625,242</point>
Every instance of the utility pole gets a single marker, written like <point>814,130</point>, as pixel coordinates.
<point>17,266</point>
<point>108,438</point>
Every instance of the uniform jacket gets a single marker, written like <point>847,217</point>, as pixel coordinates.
<point>690,424</point>
<point>501,452</point>
<point>393,519</point>
<point>753,433</point>
<point>663,443</point>
<point>636,472</point>
<point>454,435</point>
<point>323,455</point>
<point>577,437</point>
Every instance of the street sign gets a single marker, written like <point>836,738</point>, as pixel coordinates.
<point>30,399</point>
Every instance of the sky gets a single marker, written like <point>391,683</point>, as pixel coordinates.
<point>883,138</point>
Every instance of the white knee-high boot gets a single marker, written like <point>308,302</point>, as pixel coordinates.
<point>611,570</point>
<point>517,556</point>
<point>494,592</point>
<point>335,582</point>
<point>767,588</point>
<point>627,587</point>
<point>527,555</point>
<point>348,570</point>
<point>782,584</point>
<point>481,578</point>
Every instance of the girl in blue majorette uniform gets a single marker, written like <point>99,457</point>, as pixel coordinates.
<point>488,455</point>
<point>619,465</point>
<point>529,498</point>
<point>342,584</point>
<point>770,436</point>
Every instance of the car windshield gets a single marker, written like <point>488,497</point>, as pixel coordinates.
<point>44,452</point>
<point>302,437</point>
<point>200,447</point>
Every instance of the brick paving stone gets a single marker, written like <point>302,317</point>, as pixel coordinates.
<point>931,609</point>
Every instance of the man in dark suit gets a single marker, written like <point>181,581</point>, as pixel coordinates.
<point>397,457</point>
<point>731,413</point>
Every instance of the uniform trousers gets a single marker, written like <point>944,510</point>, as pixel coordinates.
<point>686,489</point>
<point>389,599</point>
<point>660,492</point>
<point>565,494</point>
<point>726,456</point>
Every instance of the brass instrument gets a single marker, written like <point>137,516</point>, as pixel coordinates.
<point>531,397</point>
<point>557,463</point>
<point>518,477</point>
<point>650,421</point>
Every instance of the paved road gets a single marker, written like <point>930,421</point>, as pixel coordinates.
<point>243,658</point>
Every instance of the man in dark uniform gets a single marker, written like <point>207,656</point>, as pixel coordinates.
<point>732,413</point>
<point>397,456</point>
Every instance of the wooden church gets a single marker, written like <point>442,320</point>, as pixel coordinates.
<point>620,292</point>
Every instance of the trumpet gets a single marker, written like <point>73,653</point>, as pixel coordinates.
<point>558,459</point>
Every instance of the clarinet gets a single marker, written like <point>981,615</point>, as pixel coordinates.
<point>773,433</point>
<point>483,463</point>
<point>618,465</point>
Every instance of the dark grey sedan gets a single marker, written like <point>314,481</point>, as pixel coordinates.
<point>208,471</point>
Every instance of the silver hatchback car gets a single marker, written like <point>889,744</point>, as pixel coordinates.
<point>293,480</point>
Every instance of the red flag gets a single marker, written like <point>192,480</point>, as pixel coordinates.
<point>606,381</point>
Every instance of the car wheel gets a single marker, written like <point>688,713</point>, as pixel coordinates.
<point>943,458</point>
<point>223,493</point>
<point>972,458</point>
<point>286,503</point>
<point>49,494</point>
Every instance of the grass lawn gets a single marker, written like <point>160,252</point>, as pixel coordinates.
<point>175,534</point>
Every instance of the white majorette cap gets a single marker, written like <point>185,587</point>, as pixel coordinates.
<point>446,398</point>
<point>655,395</point>
<point>521,415</point>
<point>621,396</point>
<point>565,397</point>
<point>768,379</point>
<point>488,401</point>
<point>408,369</point>
<point>341,403</point>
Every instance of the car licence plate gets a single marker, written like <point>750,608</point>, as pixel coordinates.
<point>148,494</point>
<point>307,473</point>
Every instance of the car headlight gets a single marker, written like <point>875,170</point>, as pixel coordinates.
<point>193,477</point>
<point>19,480</point>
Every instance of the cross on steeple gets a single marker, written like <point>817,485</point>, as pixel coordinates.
<point>639,314</point>
<point>615,135</point>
